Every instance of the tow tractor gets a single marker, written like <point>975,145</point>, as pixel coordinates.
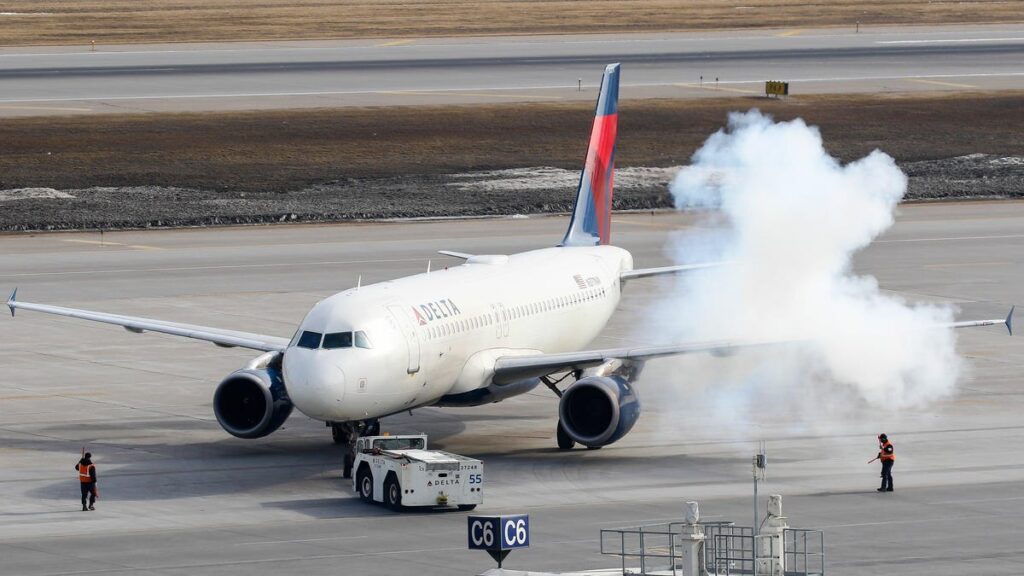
<point>399,471</point>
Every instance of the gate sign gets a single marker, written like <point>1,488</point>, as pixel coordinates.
<point>499,532</point>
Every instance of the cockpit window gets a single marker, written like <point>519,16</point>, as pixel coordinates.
<point>362,341</point>
<point>338,340</point>
<point>310,340</point>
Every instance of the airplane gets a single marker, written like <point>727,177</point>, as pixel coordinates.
<point>473,334</point>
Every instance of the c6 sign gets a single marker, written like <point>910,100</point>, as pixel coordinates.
<point>499,532</point>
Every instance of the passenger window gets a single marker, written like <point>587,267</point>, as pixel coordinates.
<point>338,340</point>
<point>362,340</point>
<point>310,340</point>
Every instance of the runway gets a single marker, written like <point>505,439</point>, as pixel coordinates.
<point>180,496</point>
<point>239,76</point>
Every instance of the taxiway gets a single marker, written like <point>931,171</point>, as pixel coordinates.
<point>180,496</point>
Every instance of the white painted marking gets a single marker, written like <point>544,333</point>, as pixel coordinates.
<point>420,91</point>
<point>889,522</point>
<point>222,267</point>
<point>977,501</point>
<point>950,238</point>
<point>950,40</point>
<point>299,541</point>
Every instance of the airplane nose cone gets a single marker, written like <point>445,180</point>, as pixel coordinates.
<point>315,383</point>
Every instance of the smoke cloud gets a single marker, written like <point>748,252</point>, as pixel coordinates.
<point>789,218</point>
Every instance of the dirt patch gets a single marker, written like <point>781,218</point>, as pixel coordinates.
<point>187,169</point>
<point>489,193</point>
<point>121,21</point>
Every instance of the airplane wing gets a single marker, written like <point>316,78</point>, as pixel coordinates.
<point>223,338</point>
<point>509,369</point>
<point>645,272</point>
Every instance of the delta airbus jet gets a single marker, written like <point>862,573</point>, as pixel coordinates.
<point>477,333</point>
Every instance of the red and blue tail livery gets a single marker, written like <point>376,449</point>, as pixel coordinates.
<point>591,217</point>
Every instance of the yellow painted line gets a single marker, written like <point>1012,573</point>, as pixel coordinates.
<point>967,264</point>
<point>789,33</point>
<point>473,94</point>
<point>937,83</point>
<point>108,243</point>
<point>52,108</point>
<point>394,43</point>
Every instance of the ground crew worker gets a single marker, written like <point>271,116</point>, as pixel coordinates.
<point>887,455</point>
<point>87,478</point>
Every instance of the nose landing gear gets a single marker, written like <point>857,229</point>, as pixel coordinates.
<point>348,433</point>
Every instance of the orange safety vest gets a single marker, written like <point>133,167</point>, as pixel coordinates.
<point>887,452</point>
<point>83,473</point>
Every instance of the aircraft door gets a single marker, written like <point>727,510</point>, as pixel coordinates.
<point>411,338</point>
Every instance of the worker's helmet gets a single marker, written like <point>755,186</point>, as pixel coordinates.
<point>883,437</point>
<point>88,455</point>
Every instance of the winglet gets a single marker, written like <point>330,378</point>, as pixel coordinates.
<point>1009,320</point>
<point>14,298</point>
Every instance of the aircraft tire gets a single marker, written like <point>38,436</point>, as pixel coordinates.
<point>565,442</point>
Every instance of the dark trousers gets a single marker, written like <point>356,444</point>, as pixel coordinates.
<point>88,491</point>
<point>887,474</point>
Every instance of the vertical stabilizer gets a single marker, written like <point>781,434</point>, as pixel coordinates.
<point>591,217</point>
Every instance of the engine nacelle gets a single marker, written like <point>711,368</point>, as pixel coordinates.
<point>253,402</point>
<point>598,410</point>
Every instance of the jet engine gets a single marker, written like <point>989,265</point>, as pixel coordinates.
<point>253,402</point>
<point>598,410</point>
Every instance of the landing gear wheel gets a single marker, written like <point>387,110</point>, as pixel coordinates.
<point>364,480</point>
<point>346,469</point>
<point>372,428</point>
<point>466,507</point>
<point>393,493</point>
<point>593,447</point>
<point>339,433</point>
<point>564,441</point>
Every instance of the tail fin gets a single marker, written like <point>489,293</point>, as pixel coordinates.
<point>591,217</point>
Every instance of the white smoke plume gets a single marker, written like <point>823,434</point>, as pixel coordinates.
<point>789,219</point>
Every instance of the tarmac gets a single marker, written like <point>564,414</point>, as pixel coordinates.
<point>187,77</point>
<point>180,496</point>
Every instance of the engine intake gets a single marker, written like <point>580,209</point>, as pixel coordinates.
<point>253,402</point>
<point>599,410</point>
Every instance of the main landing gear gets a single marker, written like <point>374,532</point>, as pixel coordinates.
<point>348,433</point>
<point>565,442</point>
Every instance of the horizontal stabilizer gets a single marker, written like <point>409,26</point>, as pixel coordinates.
<point>453,254</point>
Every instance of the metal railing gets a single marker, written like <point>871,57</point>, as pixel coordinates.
<point>804,551</point>
<point>655,548</point>
<point>728,550</point>
<point>731,553</point>
<point>652,546</point>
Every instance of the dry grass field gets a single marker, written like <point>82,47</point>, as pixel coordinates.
<point>291,149</point>
<point>25,22</point>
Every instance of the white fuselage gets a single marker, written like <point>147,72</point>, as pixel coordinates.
<point>437,334</point>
